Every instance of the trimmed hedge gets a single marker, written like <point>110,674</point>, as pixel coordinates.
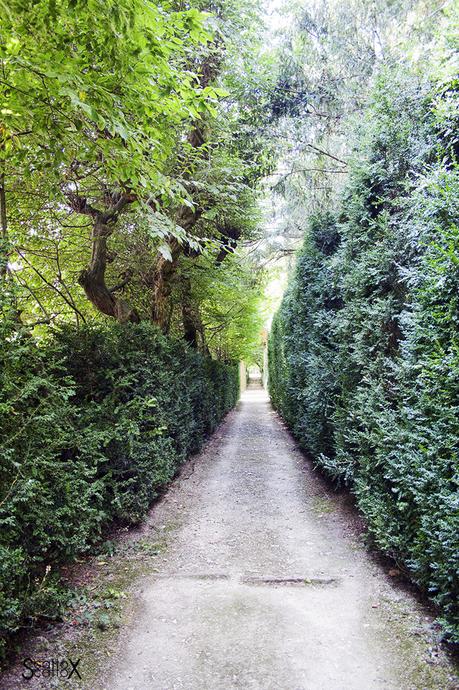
<point>93,424</point>
<point>364,351</point>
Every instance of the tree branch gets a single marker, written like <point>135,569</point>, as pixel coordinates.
<point>53,287</point>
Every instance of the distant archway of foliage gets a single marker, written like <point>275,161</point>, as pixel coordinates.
<point>364,350</point>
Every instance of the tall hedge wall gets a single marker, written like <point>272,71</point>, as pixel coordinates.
<point>92,425</point>
<point>364,351</point>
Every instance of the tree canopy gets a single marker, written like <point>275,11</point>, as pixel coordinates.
<point>128,147</point>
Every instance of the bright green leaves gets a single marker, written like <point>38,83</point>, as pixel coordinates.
<point>106,87</point>
<point>96,99</point>
<point>102,99</point>
<point>231,301</point>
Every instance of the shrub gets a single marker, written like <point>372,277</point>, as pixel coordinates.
<point>94,423</point>
<point>364,350</point>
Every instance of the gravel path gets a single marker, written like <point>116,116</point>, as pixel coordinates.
<point>265,585</point>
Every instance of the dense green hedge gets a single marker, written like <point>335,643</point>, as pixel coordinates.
<point>364,351</point>
<point>93,423</point>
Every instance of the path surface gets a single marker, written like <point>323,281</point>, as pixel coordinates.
<point>264,586</point>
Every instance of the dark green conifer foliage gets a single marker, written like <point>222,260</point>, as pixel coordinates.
<point>93,424</point>
<point>364,359</point>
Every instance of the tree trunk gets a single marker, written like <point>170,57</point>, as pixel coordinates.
<point>189,316</point>
<point>92,278</point>
<point>163,272</point>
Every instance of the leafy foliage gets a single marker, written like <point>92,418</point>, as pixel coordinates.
<point>78,99</point>
<point>231,302</point>
<point>128,142</point>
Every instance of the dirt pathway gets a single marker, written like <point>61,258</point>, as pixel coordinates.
<point>264,585</point>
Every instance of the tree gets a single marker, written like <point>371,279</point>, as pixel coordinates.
<point>92,112</point>
<point>153,146</point>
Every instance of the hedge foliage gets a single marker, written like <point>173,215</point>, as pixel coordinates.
<point>364,351</point>
<point>93,423</point>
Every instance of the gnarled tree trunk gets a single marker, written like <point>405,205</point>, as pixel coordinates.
<point>92,278</point>
<point>191,318</point>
